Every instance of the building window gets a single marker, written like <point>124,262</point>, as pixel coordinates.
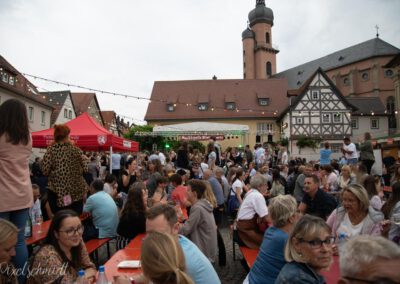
<point>374,123</point>
<point>326,118</point>
<point>230,106</point>
<point>244,75</point>
<point>267,38</point>
<point>337,118</point>
<point>203,106</point>
<point>65,113</point>
<point>170,107</point>
<point>43,118</point>
<point>11,80</point>
<point>269,68</point>
<point>390,107</point>
<point>315,95</point>
<point>365,76</point>
<point>263,101</point>
<point>299,120</point>
<point>354,123</point>
<point>30,113</point>
<point>70,114</point>
<point>244,64</point>
<point>4,77</point>
<point>264,128</point>
<point>389,73</point>
<point>346,81</point>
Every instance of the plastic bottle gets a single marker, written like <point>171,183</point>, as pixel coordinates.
<point>102,279</point>
<point>341,242</point>
<point>28,228</point>
<point>81,278</point>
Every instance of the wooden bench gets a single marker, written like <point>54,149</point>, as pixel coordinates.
<point>249,255</point>
<point>93,245</point>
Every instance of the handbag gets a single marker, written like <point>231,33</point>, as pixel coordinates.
<point>233,202</point>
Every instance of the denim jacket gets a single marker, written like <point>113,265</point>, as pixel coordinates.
<point>298,273</point>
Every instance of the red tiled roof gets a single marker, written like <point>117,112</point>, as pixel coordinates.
<point>216,93</point>
<point>82,102</point>
<point>108,116</point>
<point>22,86</point>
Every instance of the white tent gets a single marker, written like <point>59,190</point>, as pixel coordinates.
<point>201,128</point>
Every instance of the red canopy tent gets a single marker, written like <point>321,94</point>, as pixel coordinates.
<point>87,135</point>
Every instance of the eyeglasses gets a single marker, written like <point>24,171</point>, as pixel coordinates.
<point>377,281</point>
<point>70,232</point>
<point>317,243</point>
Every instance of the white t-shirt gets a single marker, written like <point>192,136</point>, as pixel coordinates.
<point>161,157</point>
<point>347,228</point>
<point>235,185</point>
<point>252,172</point>
<point>351,147</point>
<point>253,203</point>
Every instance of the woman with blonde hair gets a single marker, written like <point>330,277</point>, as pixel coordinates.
<point>163,261</point>
<point>8,240</point>
<point>308,251</point>
<point>356,216</point>
<point>345,178</point>
<point>270,259</point>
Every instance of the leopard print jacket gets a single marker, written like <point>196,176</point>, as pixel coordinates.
<point>64,164</point>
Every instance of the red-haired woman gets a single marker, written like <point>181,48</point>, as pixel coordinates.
<point>65,164</point>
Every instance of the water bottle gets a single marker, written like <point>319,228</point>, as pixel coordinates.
<point>81,277</point>
<point>28,228</point>
<point>102,279</point>
<point>341,242</point>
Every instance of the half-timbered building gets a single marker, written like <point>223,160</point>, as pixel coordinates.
<point>317,110</point>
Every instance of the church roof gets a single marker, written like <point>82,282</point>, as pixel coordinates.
<point>217,94</point>
<point>367,105</point>
<point>296,76</point>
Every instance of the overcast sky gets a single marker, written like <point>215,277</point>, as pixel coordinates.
<point>124,46</point>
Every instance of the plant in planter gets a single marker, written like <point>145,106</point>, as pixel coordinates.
<point>308,142</point>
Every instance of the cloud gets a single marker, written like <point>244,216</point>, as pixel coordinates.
<point>124,46</point>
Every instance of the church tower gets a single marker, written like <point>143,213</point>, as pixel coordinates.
<point>259,57</point>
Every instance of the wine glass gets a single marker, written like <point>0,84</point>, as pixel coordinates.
<point>39,222</point>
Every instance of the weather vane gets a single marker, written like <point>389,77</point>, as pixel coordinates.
<point>377,30</point>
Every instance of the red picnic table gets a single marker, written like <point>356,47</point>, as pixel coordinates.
<point>332,275</point>
<point>137,241</point>
<point>111,266</point>
<point>249,255</point>
<point>39,233</point>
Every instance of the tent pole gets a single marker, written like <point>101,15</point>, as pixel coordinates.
<point>110,159</point>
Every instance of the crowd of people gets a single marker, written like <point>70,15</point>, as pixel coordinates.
<point>297,213</point>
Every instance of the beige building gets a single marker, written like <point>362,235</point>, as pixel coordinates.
<point>64,110</point>
<point>262,97</point>
<point>13,85</point>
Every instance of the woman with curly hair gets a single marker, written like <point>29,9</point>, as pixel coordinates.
<point>133,216</point>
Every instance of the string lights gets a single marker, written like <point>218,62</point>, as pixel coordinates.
<point>271,113</point>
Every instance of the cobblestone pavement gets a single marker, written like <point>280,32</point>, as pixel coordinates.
<point>234,272</point>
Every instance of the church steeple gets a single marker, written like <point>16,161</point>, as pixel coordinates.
<point>259,57</point>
